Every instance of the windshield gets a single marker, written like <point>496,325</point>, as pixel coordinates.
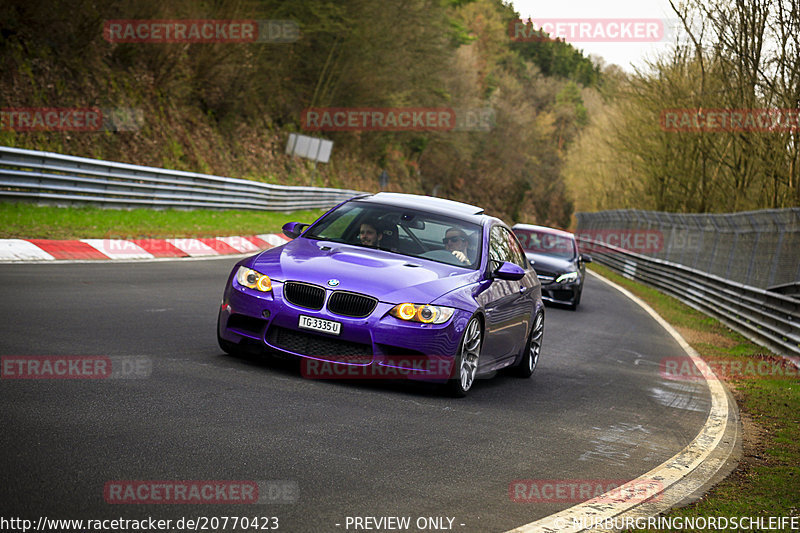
<point>539,242</point>
<point>403,231</point>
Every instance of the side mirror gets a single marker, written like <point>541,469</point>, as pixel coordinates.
<point>293,229</point>
<point>509,271</point>
<point>586,258</point>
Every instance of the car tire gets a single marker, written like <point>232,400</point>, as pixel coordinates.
<point>574,305</point>
<point>230,348</point>
<point>533,348</point>
<point>465,365</point>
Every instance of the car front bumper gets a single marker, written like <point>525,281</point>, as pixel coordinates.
<point>561,293</point>
<point>376,346</point>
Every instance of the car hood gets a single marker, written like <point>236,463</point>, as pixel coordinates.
<point>551,264</point>
<point>390,277</point>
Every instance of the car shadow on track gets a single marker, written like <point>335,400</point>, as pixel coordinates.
<point>291,368</point>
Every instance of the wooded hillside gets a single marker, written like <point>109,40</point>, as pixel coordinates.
<point>227,108</point>
<point>566,134</point>
<point>710,127</point>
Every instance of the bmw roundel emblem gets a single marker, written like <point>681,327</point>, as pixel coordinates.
<point>333,282</point>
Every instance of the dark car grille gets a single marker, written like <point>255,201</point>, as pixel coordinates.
<point>544,276</point>
<point>304,295</point>
<point>317,346</point>
<point>559,295</point>
<point>351,304</point>
<point>563,295</point>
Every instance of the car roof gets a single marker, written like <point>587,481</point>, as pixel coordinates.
<point>432,204</point>
<point>543,229</point>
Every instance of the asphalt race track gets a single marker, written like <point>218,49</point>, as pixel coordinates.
<point>596,409</point>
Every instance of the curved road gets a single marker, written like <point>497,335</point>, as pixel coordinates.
<point>596,409</point>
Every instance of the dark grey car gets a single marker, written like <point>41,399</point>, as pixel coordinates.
<point>558,263</point>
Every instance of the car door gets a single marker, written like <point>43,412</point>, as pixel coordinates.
<point>507,303</point>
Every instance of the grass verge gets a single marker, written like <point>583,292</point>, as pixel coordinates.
<point>767,481</point>
<point>28,221</point>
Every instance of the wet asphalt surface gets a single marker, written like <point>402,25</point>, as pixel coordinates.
<point>596,409</point>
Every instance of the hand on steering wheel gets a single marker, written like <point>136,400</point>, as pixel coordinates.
<point>460,256</point>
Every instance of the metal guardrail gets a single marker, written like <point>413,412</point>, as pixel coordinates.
<point>62,179</point>
<point>765,317</point>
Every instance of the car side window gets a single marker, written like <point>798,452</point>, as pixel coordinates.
<point>517,253</point>
<point>498,245</point>
<point>503,246</point>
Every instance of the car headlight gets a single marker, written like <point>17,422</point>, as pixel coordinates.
<point>427,314</point>
<point>247,277</point>
<point>567,277</point>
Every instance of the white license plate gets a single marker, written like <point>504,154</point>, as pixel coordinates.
<point>320,324</point>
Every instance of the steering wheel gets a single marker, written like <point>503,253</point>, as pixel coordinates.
<point>415,238</point>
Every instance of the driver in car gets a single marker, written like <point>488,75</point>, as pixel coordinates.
<point>455,241</point>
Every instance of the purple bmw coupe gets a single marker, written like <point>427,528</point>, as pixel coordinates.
<point>391,285</point>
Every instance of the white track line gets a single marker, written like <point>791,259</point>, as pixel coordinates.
<point>668,473</point>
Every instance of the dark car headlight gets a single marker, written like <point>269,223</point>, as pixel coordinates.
<point>247,277</point>
<point>567,277</point>
<point>427,314</point>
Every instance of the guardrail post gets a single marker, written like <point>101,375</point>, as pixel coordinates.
<point>753,254</point>
<point>732,252</point>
